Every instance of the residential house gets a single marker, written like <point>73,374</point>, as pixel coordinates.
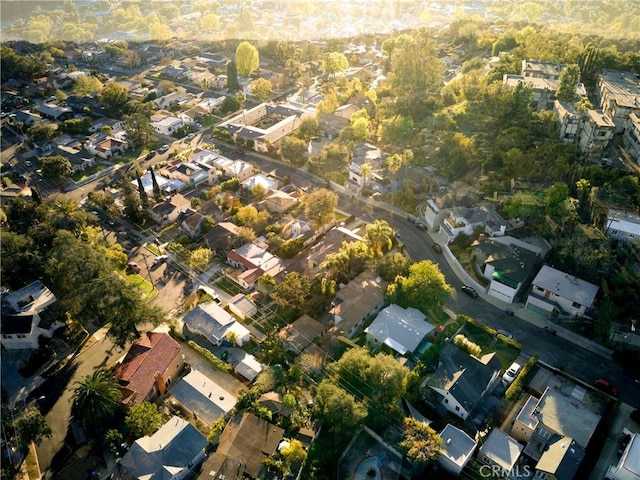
<point>619,94</point>
<point>152,363</point>
<point>331,242</point>
<point>364,153</point>
<point>457,449</point>
<point>295,227</point>
<point>279,202</point>
<point>81,105</point>
<point>215,324</point>
<point>398,328</point>
<point>267,182</point>
<point>331,125</point>
<point>171,453</point>
<point>272,401</point>
<point>358,301</point>
<point>169,210</point>
<point>219,466</point>
<point>247,440</point>
<point>192,220</point>
<point>79,158</point>
<point>569,121</point>
<point>102,122</point>
<point>176,72</point>
<point>622,226</point>
<point>106,147</point>
<point>189,173</point>
<point>9,193</point>
<point>254,260</point>
<point>234,168</point>
<point>628,466</point>
<point>205,398</point>
<point>433,213</point>
<point>20,323</point>
<point>167,125</point>
<point>242,306</point>
<point>563,428</point>
<point>248,366</point>
<point>558,293</point>
<point>168,186</point>
<point>465,220</point>
<point>544,89</point>
<point>169,100</point>
<point>631,137</point>
<point>265,124</point>
<point>299,334</point>
<point>26,117</point>
<point>502,451</point>
<point>596,131</point>
<point>55,112</point>
<point>368,452</point>
<point>539,69</point>
<point>508,263</point>
<point>525,423</point>
<point>461,380</point>
<point>222,236</point>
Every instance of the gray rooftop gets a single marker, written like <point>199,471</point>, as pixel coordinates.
<point>501,449</point>
<point>399,328</point>
<point>566,286</point>
<point>457,446</point>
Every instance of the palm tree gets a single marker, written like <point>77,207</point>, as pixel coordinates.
<point>96,399</point>
<point>67,216</point>
<point>366,169</point>
<point>380,236</point>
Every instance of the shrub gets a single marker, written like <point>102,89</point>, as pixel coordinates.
<point>467,345</point>
<point>213,360</point>
<point>515,388</point>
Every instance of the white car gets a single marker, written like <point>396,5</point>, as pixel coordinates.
<point>159,259</point>
<point>511,373</point>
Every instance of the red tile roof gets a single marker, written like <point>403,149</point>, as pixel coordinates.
<point>150,355</point>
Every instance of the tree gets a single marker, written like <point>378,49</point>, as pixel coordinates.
<point>293,292</point>
<point>140,133</point>
<point>334,62</point>
<point>96,399</point>
<point>261,88</point>
<point>66,215</point>
<point>308,129</point>
<point>157,194</point>
<point>467,345</point>
<point>230,104</point>
<point>320,207</point>
<point>29,424</point>
<point>420,442</point>
<point>393,265</point>
<point>294,454</point>
<point>130,200</point>
<point>141,191</point>
<point>87,85</point>
<point>56,166</point>
<point>232,79</point>
<point>338,408</point>
<point>114,98</point>
<point>293,150</point>
<point>247,59</point>
<point>567,83</point>
<point>379,236</point>
<point>200,258</point>
<point>425,287</point>
<point>41,132</point>
<point>143,419</point>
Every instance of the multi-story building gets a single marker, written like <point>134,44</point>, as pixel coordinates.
<point>619,94</point>
<point>596,132</point>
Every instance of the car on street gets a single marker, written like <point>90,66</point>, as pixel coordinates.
<point>150,155</point>
<point>28,163</point>
<point>511,373</point>
<point>160,259</point>
<point>420,226</point>
<point>411,220</point>
<point>436,248</point>
<point>163,148</point>
<point>504,333</point>
<point>238,151</point>
<point>191,136</point>
<point>469,291</point>
<point>606,386</point>
<point>133,267</point>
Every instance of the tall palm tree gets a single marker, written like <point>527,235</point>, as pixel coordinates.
<point>67,216</point>
<point>96,399</point>
<point>380,236</point>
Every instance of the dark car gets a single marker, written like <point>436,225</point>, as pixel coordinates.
<point>436,248</point>
<point>133,267</point>
<point>420,226</point>
<point>469,291</point>
<point>606,386</point>
<point>238,151</point>
<point>150,155</point>
<point>411,220</point>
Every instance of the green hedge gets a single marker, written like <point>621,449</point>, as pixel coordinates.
<point>491,331</point>
<point>213,360</point>
<point>515,388</point>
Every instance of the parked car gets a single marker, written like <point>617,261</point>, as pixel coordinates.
<point>469,291</point>
<point>411,220</point>
<point>421,226</point>
<point>150,155</point>
<point>238,151</point>
<point>606,386</point>
<point>511,373</point>
<point>436,248</point>
<point>133,267</point>
<point>191,136</point>
<point>163,148</point>
<point>159,259</point>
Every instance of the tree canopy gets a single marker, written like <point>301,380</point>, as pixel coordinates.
<point>247,59</point>
<point>425,288</point>
<point>320,207</point>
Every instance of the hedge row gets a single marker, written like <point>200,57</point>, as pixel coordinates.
<point>492,332</point>
<point>213,360</point>
<point>467,345</point>
<point>515,388</point>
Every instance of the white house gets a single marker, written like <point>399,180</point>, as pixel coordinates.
<point>215,324</point>
<point>168,125</point>
<point>242,306</point>
<point>457,449</point>
<point>249,367</point>
<point>20,321</point>
<point>596,131</point>
<point>628,467</point>
<point>398,328</point>
<point>465,220</point>
<point>556,291</point>
<point>623,226</point>
<point>175,450</point>
<point>500,450</point>
<point>569,121</point>
<point>208,400</point>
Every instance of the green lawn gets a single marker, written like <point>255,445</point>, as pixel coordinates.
<point>148,291</point>
<point>229,286</point>
<point>506,353</point>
